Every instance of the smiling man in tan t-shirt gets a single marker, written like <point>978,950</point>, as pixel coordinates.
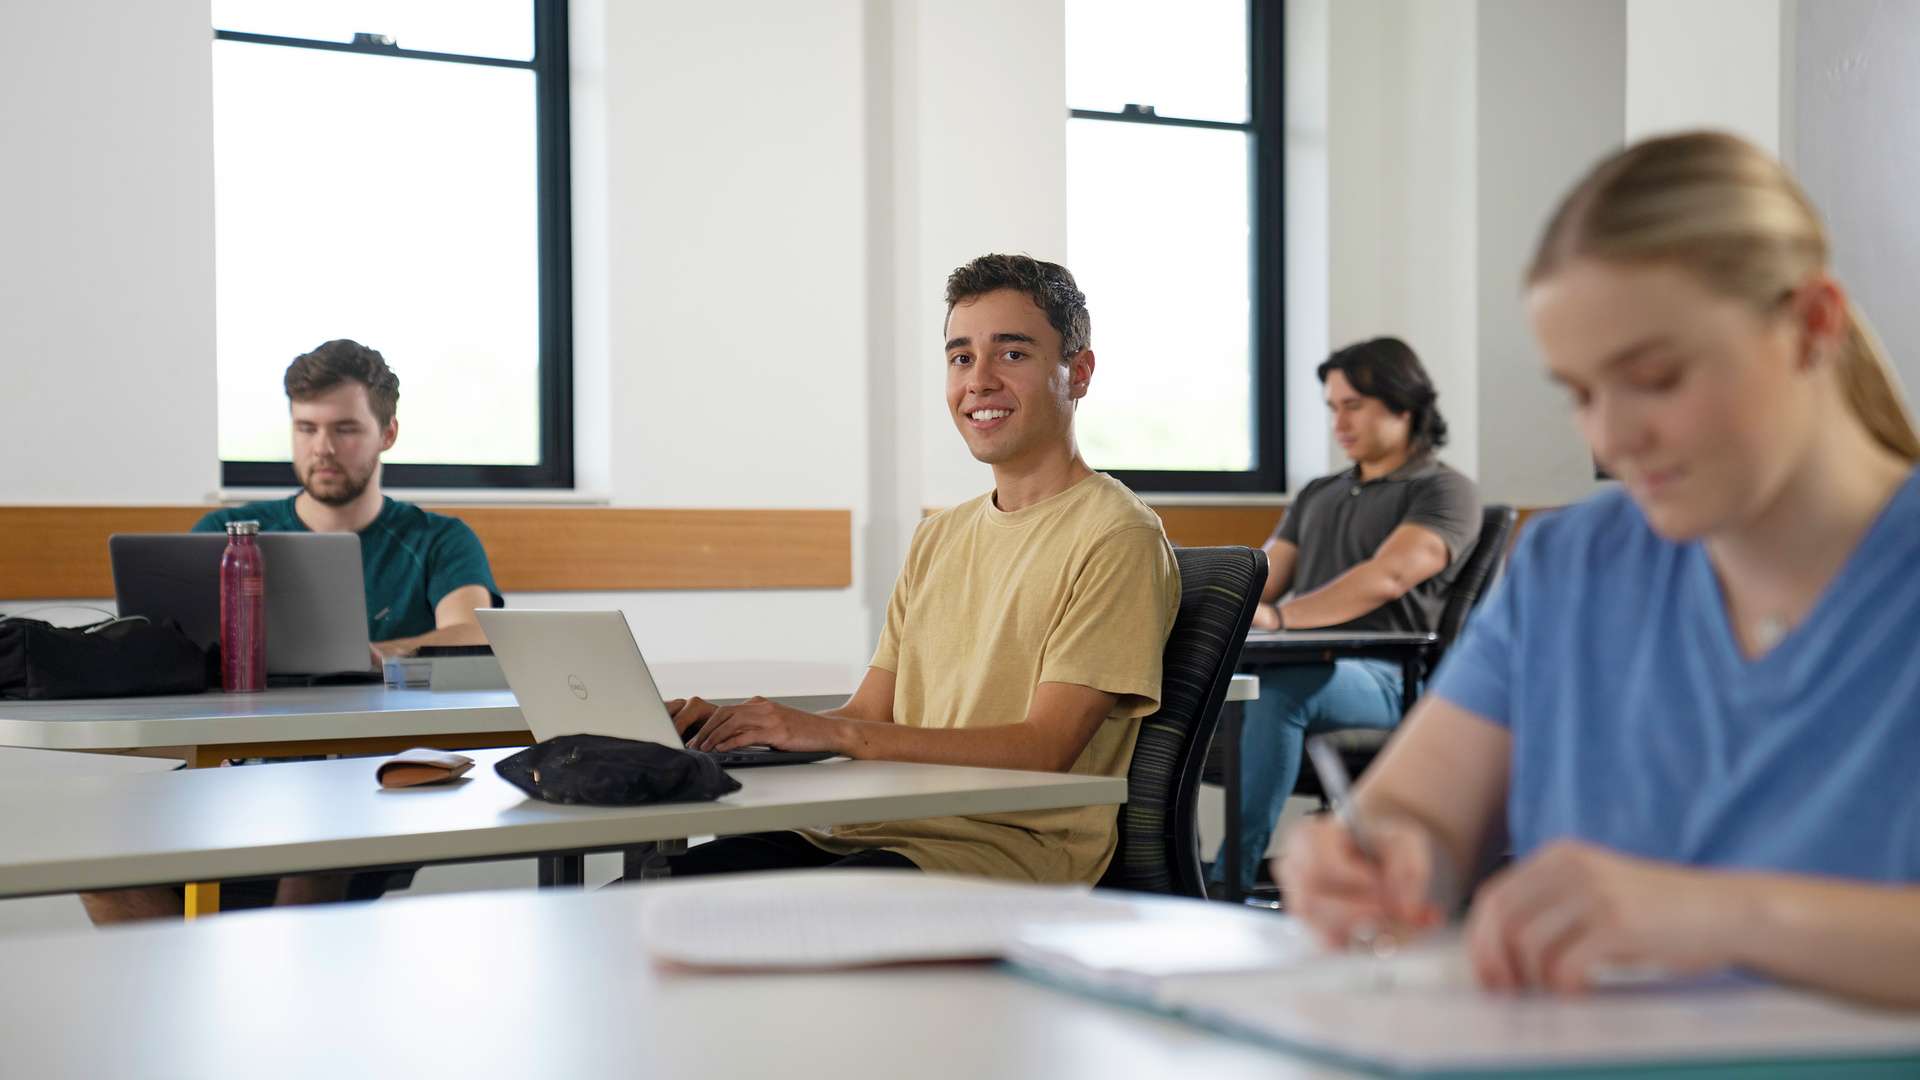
<point>1025,630</point>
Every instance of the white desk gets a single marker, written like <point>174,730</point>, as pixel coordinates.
<point>521,984</point>
<point>366,719</point>
<point>100,832</point>
<point>1243,688</point>
<point>345,719</point>
<point>373,719</point>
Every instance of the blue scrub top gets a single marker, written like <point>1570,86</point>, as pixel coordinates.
<point>1637,724</point>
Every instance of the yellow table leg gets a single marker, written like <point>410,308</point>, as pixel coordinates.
<point>203,898</point>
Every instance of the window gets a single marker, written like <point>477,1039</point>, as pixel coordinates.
<point>1174,215</point>
<point>395,172</point>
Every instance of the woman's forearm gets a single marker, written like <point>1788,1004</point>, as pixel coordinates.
<point>1850,938</point>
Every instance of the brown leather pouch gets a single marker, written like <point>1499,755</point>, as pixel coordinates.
<point>410,768</point>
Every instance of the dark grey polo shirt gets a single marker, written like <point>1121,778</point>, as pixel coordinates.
<point>1338,522</point>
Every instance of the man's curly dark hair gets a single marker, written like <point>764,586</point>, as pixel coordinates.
<point>1049,285</point>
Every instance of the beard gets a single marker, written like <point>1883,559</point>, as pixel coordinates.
<point>347,487</point>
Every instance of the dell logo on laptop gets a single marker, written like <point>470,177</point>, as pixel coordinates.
<point>579,688</point>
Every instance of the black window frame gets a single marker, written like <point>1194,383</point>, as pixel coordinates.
<point>555,246</point>
<point>1266,128</point>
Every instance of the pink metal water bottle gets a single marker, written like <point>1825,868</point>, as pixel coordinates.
<point>243,611</point>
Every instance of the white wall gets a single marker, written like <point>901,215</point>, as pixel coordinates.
<point>1454,124</point>
<point>735,254</point>
<point>736,236</point>
<point>982,140</point>
<point>967,155</point>
<point>1309,191</point>
<point>797,295</point>
<point>1442,237</point>
<point>1854,101</point>
<point>1366,159</point>
<point>1453,127</point>
<point>1704,63</point>
<point>589,99</point>
<point>106,253</point>
<point>1551,101</point>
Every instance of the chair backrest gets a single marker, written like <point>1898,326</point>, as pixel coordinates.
<point>1476,577</point>
<point>1159,831</point>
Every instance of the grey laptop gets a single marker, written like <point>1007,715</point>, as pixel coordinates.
<point>316,595</point>
<point>581,673</point>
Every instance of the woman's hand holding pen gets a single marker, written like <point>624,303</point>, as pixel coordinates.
<point>1344,893</point>
<point>1571,917</point>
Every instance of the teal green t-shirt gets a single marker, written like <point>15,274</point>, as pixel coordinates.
<point>411,558</point>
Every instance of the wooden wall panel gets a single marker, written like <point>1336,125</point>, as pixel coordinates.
<point>60,552</point>
<point>1211,526</point>
<point>612,550</point>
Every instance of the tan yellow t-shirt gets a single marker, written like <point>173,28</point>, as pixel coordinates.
<point>1081,588</point>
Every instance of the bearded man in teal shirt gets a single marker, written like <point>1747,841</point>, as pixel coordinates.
<point>425,573</point>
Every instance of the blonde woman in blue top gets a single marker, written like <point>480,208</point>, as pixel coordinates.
<point>1690,711</point>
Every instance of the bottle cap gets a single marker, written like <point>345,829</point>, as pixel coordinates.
<point>243,528</point>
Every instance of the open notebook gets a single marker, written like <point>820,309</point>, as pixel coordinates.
<point>1259,976</point>
<point>1419,1013</point>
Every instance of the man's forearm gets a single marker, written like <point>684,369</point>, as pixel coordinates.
<point>467,633</point>
<point>1008,746</point>
<point>1347,597</point>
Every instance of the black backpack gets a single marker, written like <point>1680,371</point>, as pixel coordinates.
<point>124,657</point>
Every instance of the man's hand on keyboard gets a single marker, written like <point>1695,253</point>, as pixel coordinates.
<point>757,722</point>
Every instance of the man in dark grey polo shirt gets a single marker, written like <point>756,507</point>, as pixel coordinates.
<point>1372,548</point>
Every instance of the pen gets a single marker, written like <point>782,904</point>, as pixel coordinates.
<point>1339,789</point>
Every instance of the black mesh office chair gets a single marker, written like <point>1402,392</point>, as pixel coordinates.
<point>1359,746</point>
<point>1159,847</point>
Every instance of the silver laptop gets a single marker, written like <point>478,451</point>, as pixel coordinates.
<point>581,673</point>
<point>316,594</point>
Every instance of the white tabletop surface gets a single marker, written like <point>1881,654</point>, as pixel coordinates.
<point>359,712</point>
<point>95,832</point>
<point>525,984</point>
<point>368,711</point>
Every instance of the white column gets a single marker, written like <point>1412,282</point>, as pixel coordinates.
<point>1552,95</point>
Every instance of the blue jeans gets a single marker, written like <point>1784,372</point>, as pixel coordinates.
<point>1297,700</point>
